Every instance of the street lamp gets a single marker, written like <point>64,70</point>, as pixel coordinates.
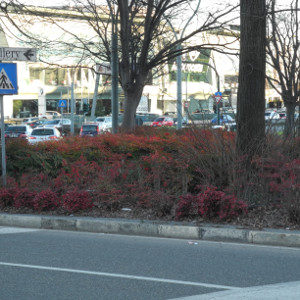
<point>3,6</point>
<point>114,68</point>
<point>179,65</point>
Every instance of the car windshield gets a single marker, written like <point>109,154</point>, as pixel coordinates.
<point>52,122</point>
<point>43,131</point>
<point>89,127</point>
<point>16,128</point>
<point>159,119</point>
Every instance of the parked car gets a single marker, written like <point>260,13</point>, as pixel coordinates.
<point>36,123</point>
<point>90,129</point>
<point>18,131</point>
<point>282,115</point>
<point>44,134</point>
<point>163,121</point>
<point>184,120</point>
<point>147,118</point>
<point>224,119</point>
<point>58,123</point>
<point>272,115</point>
<point>105,123</point>
<point>50,115</point>
<point>29,120</point>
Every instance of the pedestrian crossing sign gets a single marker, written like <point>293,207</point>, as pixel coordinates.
<point>8,79</point>
<point>62,103</point>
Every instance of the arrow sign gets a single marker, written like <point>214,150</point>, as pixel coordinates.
<point>17,54</point>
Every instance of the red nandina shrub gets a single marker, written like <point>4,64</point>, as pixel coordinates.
<point>76,200</point>
<point>159,202</point>
<point>6,197</point>
<point>23,198</point>
<point>46,200</point>
<point>210,204</point>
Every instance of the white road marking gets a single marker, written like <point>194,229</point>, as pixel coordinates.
<point>207,285</point>
<point>279,291</point>
<point>9,230</point>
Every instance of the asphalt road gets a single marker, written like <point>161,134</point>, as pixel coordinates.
<point>50,264</point>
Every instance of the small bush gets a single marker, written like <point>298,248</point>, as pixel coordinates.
<point>23,198</point>
<point>210,204</point>
<point>46,200</point>
<point>76,200</point>
<point>6,197</point>
<point>159,202</point>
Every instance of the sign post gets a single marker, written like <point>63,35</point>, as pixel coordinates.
<point>218,97</point>
<point>62,104</point>
<point>8,86</point>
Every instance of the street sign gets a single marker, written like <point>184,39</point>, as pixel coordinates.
<point>17,54</point>
<point>62,103</point>
<point>218,97</point>
<point>8,79</point>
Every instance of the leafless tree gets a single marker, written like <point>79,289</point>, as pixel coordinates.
<point>145,38</point>
<point>283,50</point>
<point>251,91</point>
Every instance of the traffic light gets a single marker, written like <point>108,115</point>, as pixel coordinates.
<point>86,108</point>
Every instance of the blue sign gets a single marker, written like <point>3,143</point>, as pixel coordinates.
<point>218,94</point>
<point>8,79</point>
<point>62,103</point>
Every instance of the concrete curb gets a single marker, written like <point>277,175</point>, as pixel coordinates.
<point>156,229</point>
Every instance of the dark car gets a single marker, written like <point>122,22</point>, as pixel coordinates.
<point>18,131</point>
<point>36,123</point>
<point>90,129</point>
<point>224,119</point>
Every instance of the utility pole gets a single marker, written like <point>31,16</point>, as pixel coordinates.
<point>114,71</point>
<point>179,65</point>
<point>94,103</point>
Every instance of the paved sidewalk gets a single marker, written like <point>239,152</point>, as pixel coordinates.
<point>178,230</point>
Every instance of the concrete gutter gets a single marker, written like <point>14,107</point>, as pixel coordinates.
<point>207,232</point>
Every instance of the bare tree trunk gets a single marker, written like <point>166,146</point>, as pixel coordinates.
<point>289,129</point>
<point>251,93</point>
<point>131,103</point>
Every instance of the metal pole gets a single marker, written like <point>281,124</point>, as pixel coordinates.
<point>62,116</point>
<point>179,91</point>
<point>179,64</point>
<point>3,142</point>
<point>94,103</point>
<point>114,76</point>
<point>72,109</point>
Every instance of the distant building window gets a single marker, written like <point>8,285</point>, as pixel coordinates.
<point>51,76</point>
<point>36,74</point>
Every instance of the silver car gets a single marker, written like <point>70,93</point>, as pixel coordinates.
<point>58,123</point>
<point>44,134</point>
<point>105,123</point>
<point>18,131</point>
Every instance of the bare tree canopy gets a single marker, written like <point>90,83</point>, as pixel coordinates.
<point>283,49</point>
<point>146,41</point>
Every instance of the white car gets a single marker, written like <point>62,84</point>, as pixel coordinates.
<point>44,134</point>
<point>50,115</point>
<point>58,123</point>
<point>272,115</point>
<point>29,120</point>
<point>105,123</point>
<point>18,131</point>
